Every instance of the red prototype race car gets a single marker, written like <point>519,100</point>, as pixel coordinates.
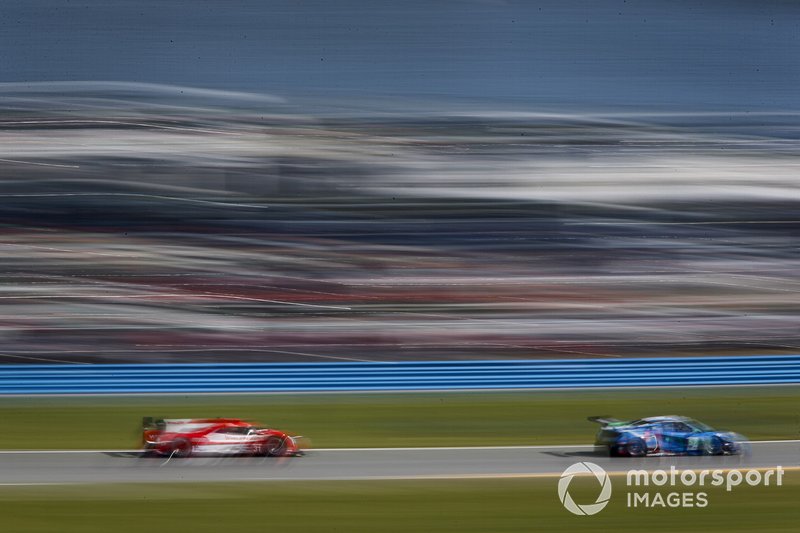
<point>215,436</point>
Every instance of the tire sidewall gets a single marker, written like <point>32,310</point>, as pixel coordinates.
<point>270,450</point>
<point>182,448</point>
<point>638,450</point>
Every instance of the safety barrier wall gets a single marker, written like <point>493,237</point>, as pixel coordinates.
<point>437,375</point>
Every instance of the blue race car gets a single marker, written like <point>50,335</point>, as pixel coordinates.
<point>664,435</point>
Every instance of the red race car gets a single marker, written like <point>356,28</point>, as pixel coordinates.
<point>215,436</point>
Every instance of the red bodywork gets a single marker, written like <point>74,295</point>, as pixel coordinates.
<point>215,436</point>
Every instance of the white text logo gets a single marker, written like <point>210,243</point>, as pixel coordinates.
<point>602,498</point>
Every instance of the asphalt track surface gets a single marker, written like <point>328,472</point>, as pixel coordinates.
<point>67,467</point>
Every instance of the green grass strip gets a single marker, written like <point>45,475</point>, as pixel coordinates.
<point>396,420</point>
<point>465,506</point>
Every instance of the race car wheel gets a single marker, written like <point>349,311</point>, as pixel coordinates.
<point>274,446</point>
<point>712,446</point>
<point>181,448</point>
<point>636,448</point>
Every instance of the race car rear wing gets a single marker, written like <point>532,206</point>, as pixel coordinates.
<point>181,425</point>
<point>603,419</point>
<point>148,422</point>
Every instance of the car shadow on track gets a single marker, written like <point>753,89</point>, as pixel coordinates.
<point>593,453</point>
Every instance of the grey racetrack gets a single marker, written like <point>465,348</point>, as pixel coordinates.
<point>64,467</point>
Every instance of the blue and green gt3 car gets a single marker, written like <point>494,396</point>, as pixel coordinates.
<point>665,435</point>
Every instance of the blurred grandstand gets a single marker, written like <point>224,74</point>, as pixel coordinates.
<point>146,223</point>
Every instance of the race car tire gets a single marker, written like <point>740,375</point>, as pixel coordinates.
<point>274,446</point>
<point>636,448</point>
<point>712,446</point>
<point>181,448</point>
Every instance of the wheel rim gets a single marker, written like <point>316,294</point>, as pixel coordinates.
<point>713,447</point>
<point>274,446</point>
<point>635,448</point>
<point>183,448</point>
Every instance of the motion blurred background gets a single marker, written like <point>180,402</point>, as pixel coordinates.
<point>310,181</point>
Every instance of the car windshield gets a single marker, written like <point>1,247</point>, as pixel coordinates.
<point>699,426</point>
<point>694,424</point>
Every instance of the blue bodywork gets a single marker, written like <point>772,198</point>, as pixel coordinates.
<point>665,435</point>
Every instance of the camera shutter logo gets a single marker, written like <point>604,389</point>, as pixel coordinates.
<point>584,468</point>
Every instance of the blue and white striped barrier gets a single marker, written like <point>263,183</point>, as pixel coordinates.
<point>438,375</point>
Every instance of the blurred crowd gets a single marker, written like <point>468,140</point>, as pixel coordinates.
<point>149,224</point>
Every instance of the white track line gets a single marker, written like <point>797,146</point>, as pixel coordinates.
<point>43,484</point>
<point>419,477</point>
<point>452,448</point>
